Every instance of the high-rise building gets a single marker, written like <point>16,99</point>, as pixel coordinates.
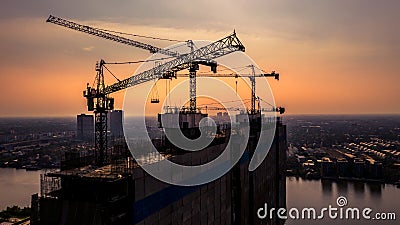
<point>85,127</point>
<point>123,193</point>
<point>115,123</point>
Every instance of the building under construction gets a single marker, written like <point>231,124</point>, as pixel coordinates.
<point>121,192</point>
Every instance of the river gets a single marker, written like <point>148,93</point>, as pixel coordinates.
<point>320,194</point>
<point>17,186</point>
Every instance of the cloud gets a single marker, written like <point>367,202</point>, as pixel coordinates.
<point>88,49</point>
<point>301,19</point>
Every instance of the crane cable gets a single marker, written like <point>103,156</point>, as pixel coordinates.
<point>139,61</point>
<point>220,103</point>
<point>260,69</point>
<point>228,108</point>
<point>112,73</point>
<point>141,36</point>
<point>224,69</point>
<point>266,102</point>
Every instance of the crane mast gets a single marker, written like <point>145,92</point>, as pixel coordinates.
<point>101,107</point>
<point>192,80</point>
<point>253,90</point>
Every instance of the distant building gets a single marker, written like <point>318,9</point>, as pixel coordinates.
<point>115,123</point>
<point>327,168</point>
<point>342,167</point>
<point>309,165</point>
<point>301,159</point>
<point>358,168</point>
<point>85,127</point>
<point>374,170</point>
<point>223,117</point>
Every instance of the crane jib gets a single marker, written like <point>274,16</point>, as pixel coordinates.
<point>212,51</point>
<point>101,33</point>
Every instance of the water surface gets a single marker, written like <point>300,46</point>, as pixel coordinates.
<point>17,186</point>
<point>320,194</point>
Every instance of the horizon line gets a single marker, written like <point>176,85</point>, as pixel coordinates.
<point>287,114</point>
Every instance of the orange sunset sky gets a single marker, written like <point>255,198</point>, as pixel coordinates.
<point>334,57</point>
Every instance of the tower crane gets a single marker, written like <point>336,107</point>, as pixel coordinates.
<point>252,78</point>
<point>201,56</point>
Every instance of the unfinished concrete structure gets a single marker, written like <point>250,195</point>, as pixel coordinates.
<point>123,193</point>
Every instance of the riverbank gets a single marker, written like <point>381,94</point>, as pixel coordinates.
<point>15,214</point>
<point>350,179</point>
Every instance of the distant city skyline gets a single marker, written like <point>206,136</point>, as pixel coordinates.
<point>334,57</point>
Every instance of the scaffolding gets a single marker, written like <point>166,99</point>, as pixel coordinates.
<point>49,185</point>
